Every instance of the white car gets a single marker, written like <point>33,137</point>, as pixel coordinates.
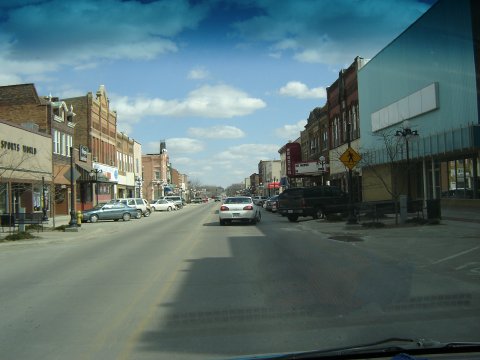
<point>239,208</point>
<point>163,205</point>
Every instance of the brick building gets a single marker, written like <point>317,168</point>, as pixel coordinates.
<point>96,130</point>
<point>22,105</point>
<point>343,114</point>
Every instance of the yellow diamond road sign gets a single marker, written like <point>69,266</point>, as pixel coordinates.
<point>350,158</point>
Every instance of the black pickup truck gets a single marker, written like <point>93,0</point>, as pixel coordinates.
<point>312,201</point>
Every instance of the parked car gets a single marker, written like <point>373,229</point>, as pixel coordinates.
<point>271,204</point>
<point>163,205</point>
<point>259,200</point>
<point>176,199</point>
<point>109,211</point>
<point>197,200</point>
<point>314,201</point>
<point>142,206</point>
<point>239,208</point>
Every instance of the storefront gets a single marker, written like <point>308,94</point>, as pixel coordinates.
<point>25,169</point>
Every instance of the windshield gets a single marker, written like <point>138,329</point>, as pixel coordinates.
<point>295,175</point>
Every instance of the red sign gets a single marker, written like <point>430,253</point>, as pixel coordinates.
<point>293,152</point>
<point>273,185</point>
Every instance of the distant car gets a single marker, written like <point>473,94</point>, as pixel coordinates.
<point>176,199</point>
<point>271,204</point>
<point>259,200</point>
<point>197,200</point>
<point>239,208</point>
<point>110,211</point>
<point>163,205</point>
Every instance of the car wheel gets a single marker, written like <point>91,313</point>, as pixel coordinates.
<point>222,222</point>
<point>318,213</point>
<point>94,218</point>
<point>292,218</point>
<point>139,214</point>
<point>154,208</point>
<point>147,213</point>
<point>126,217</point>
<point>169,208</point>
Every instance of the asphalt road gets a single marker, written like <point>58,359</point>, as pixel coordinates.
<point>178,285</point>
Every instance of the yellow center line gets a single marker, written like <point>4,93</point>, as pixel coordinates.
<point>164,290</point>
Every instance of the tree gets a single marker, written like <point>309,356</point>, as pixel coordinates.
<point>388,173</point>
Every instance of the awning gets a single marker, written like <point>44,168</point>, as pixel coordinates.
<point>83,167</point>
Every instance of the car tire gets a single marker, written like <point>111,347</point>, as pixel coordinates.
<point>318,213</point>
<point>147,213</point>
<point>93,218</point>
<point>222,222</point>
<point>292,218</point>
<point>154,209</point>
<point>169,208</point>
<point>126,217</point>
<point>139,214</point>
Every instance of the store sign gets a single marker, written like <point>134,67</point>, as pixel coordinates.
<point>83,151</point>
<point>11,146</point>
<point>293,154</point>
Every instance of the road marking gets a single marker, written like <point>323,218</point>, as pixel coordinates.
<point>456,255</point>
<point>134,338</point>
<point>469,264</point>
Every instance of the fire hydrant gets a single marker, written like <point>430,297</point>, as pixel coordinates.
<point>79,218</point>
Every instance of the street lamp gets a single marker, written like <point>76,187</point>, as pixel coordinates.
<point>406,133</point>
<point>95,172</point>
<point>44,208</point>
<point>322,161</point>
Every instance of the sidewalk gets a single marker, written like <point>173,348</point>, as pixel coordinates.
<point>461,213</point>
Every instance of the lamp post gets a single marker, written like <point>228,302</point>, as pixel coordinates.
<point>406,133</point>
<point>44,208</point>
<point>95,172</point>
<point>321,161</point>
<point>73,221</point>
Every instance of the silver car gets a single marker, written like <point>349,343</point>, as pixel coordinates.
<point>239,208</point>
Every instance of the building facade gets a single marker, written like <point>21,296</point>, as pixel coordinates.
<point>344,125</point>
<point>156,175</point>
<point>419,101</point>
<point>96,129</point>
<point>126,166</point>
<point>21,104</point>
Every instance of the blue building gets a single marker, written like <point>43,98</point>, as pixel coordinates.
<point>419,108</point>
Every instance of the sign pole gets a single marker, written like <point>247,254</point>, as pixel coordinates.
<point>73,223</point>
<point>352,220</point>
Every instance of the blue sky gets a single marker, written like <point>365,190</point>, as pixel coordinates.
<point>225,83</point>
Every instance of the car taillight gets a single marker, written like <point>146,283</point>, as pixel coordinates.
<point>224,208</point>
<point>248,207</point>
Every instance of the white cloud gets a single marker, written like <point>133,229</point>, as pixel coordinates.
<point>249,153</point>
<point>217,132</point>
<point>198,74</point>
<point>301,91</point>
<point>184,145</point>
<point>219,101</point>
<point>291,132</point>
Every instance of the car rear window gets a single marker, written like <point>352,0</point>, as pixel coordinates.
<point>238,201</point>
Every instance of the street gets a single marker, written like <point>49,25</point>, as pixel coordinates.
<point>178,285</point>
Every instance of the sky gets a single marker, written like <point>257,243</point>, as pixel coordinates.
<point>225,83</point>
